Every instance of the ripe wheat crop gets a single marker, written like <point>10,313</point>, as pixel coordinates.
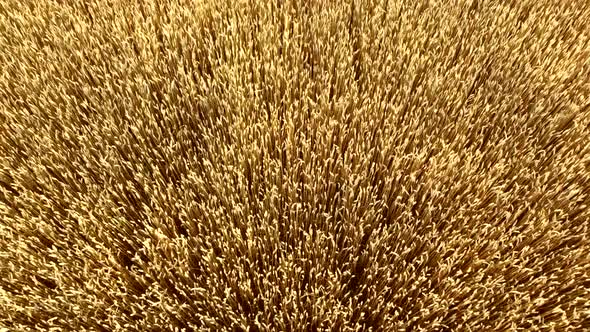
<point>295,165</point>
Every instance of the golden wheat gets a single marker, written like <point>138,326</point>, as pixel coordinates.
<point>292,165</point>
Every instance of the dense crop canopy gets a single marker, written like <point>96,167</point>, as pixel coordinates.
<point>294,165</point>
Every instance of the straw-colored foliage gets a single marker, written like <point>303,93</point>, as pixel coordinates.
<point>291,165</point>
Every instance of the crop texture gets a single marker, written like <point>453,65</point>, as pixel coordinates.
<point>291,165</point>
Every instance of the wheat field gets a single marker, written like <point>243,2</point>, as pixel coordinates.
<point>292,165</point>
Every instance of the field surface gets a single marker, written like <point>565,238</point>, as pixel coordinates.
<point>291,165</point>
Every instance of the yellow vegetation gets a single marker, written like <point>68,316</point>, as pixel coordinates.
<point>294,165</point>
